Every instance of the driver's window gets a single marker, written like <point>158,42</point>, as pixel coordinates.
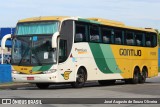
<point>62,50</point>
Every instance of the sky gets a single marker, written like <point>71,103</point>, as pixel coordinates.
<point>138,13</point>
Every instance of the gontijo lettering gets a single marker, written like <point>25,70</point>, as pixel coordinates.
<point>130,52</point>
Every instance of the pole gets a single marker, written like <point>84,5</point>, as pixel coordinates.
<point>2,57</point>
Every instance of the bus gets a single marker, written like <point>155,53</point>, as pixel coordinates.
<point>74,50</point>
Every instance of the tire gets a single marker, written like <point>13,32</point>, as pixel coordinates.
<point>106,82</point>
<point>136,76</point>
<point>143,76</point>
<point>80,79</point>
<point>42,85</point>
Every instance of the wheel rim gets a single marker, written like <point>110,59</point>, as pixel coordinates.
<point>136,76</point>
<point>144,75</point>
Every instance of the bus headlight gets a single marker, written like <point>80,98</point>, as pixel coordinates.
<point>50,71</point>
<point>15,72</point>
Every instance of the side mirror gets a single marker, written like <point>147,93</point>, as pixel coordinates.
<point>54,40</point>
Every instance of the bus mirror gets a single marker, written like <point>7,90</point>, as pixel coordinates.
<point>4,39</point>
<point>54,40</point>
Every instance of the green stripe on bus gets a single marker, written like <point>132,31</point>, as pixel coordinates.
<point>89,21</point>
<point>36,68</point>
<point>41,68</point>
<point>45,68</point>
<point>104,58</point>
<point>99,57</point>
<point>109,57</point>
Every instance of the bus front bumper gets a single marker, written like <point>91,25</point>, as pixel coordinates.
<point>36,78</point>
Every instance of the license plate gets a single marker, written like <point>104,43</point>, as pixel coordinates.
<point>30,78</point>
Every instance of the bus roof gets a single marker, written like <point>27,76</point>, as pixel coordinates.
<point>44,18</point>
<point>120,25</point>
<point>90,20</point>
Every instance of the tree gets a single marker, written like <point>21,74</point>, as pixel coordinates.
<point>158,36</point>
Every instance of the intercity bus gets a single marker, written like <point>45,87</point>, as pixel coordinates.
<point>74,50</point>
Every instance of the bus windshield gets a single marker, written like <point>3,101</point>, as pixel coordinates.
<point>32,43</point>
<point>33,50</point>
<point>37,28</point>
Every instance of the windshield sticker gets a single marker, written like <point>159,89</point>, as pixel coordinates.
<point>35,38</point>
<point>45,55</point>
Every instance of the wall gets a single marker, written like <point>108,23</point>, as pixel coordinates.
<point>5,73</point>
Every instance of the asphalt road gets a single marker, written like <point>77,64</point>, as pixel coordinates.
<point>150,89</point>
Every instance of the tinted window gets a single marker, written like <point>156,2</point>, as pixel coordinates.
<point>95,34</point>
<point>139,39</point>
<point>129,38</point>
<point>62,50</point>
<point>118,37</point>
<point>150,40</point>
<point>106,35</point>
<point>80,33</point>
<point>67,34</point>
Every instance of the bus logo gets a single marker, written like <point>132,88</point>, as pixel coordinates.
<point>130,52</point>
<point>81,51</point>
<point>66,75</point>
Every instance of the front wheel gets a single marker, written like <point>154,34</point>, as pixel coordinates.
<point>80,79</point>
<point>42,85</point>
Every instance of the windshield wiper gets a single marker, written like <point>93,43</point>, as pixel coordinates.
<point>23,56</point>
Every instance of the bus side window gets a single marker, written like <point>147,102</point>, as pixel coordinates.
<point>154,40</point>
<point>129,38</point>
<point>95,34</point>
<point>118,37</point>
<point>139,39</point>
<point>150,40</point>
<point>80,33</point>
<point>62,50</point>
<point>106,35</point>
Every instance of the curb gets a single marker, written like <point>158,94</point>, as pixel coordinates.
<point>13,85</point>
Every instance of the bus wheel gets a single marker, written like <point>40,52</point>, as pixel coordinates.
<point>143,76</point>
<point>136,76</point>
<point>42,85</point>
<point>106,82</point>
<point>80,79</point>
